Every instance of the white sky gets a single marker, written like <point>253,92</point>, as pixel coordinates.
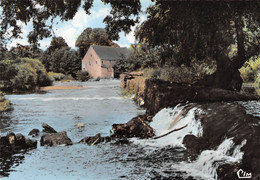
<point>70,30</point>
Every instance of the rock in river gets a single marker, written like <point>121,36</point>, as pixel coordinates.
<point>53,139</point>
<point>34,132</point>
<point>13,143</point>
<point>92,140</point>
<point>136,127</point>
<point>48,129</point>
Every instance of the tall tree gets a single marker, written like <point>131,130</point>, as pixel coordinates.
<point>89,36</point>
<point>200,30</point>
<point>57,43</point>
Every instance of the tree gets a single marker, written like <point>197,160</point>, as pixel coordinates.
<point>63,60</point>
<point>57,43</point>
<point>89,36</point>
<point>42,14</point>
<point>60,58</point>
<point>200,30</point>
<point>186,30</point>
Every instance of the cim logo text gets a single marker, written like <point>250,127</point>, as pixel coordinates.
<point>243,174</point>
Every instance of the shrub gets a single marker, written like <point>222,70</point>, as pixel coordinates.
<point>5,104</point>
<point>83,75</point>
<point>56,76</point>
<point>26,78</point>
<point>250,70</point>
<point>172,74</point>
<point>42,76</point>
<point>22,75</point>
<point>8,72</point>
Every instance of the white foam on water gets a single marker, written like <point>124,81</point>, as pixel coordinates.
<point>205,167</point>
<point>208,161</point>
<point>162,121</point>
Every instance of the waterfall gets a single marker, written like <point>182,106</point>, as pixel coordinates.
<point>205,166</point>
<point>209,160</point>
<point>173,118</point>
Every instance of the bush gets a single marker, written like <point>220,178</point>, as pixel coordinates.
<point>250,70</point>
<point>172,74</point>
<point>42,76</point>
<point>56,76</point>
<point>22,75</point>
<point>26,78</point>
<point>5,104</point>
<point>8,72</point>
<point>83,75</point>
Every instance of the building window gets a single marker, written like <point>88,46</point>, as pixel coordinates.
<point>96,62</point>
<point>83,65</point>
<point>89,63</point>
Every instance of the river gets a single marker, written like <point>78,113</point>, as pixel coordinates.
<point>98,105</point>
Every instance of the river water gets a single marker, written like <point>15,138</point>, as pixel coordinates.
<point>98,105</point>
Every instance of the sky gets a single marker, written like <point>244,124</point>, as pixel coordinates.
<point>70,30</point>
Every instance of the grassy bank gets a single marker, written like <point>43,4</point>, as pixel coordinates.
<point>5,103</point>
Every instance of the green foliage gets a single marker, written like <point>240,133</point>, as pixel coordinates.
<point>141,56</point>
<point>63,60</point>
<point>20,51</point>
<point>182,31</point>
<point>42,76</point>
<point>26,77</point>
<point>181,74</point>
<point>22,75</point>
<point>57,43</point>
<point>172,74</point>
<point>5,103</point>
<point>56,76</point>
<point>250,70</point>
<point>82,75</point>
<point>89,36</point>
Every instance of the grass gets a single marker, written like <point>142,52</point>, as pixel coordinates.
<point>5,104</point>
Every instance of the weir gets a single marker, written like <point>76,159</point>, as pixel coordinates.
<point>208,161</point>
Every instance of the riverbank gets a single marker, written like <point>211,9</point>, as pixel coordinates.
<point>222,138</point>
<point>5,103</point>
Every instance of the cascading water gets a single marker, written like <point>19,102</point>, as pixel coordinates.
<point>173,118</point>
<point>205,166</point>
<point>98,106</point>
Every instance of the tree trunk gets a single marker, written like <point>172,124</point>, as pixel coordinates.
<point>226,76</point>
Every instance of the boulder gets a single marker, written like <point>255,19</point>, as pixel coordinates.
<point>12,143</point>
<point>92,140</point>
<point>53,139</point>
<point>228,171</point>
<point>136,127</point>
<point>48,129</point>
<point>34,132</point>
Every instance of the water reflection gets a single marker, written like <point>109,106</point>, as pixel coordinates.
<point>6,163</point>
